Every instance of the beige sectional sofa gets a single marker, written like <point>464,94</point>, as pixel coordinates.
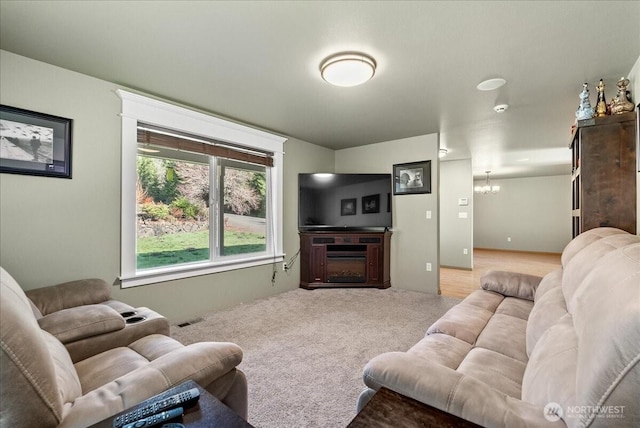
<point>72,356</point>
<point>524,351</point>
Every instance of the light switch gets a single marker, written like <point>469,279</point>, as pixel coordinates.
<point>428,215</point>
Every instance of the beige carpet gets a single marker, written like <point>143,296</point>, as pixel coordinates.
<point>304,351</point>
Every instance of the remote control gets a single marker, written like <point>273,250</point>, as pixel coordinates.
<point>156,419</point>
<point>184,399</point>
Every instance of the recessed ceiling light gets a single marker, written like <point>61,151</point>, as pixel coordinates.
<point>491,84</point>
<point>348,69</point>
<point>501,108</point>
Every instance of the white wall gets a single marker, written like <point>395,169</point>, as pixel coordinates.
<point>534,212</point>
<point>54,230</point>
<point>415,239</point>
<point>456,233</point>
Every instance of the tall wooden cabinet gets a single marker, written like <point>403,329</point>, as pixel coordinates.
<point>604,173</point>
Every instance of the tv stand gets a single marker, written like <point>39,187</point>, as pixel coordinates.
<point>345,259</point>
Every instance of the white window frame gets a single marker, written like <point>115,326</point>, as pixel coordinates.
<point>137,108</point>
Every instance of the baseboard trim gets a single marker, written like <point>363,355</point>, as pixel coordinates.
<point>550,253</point>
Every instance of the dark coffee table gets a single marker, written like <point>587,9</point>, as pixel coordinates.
<point>208,413</point>
<point>389,409</point>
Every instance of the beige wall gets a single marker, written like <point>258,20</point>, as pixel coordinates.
<point>54,230</point>
<point>535,212</point>
<point>415,239</point>
<point>456,233</point>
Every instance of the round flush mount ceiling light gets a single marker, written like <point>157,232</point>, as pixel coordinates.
<point>348,69</point>
<point>491,84</point>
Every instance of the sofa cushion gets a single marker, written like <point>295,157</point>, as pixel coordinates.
<point>607,323</point>
<point>546,312</point>
<point>467,319</point>
<point>67,380</point>
<point>511,284</point>
<point>505,335</point>
<point>550,376</point>
<point>551,280</point>
<point>27,365</point>
<point>68,325</point>
<point>513,307</point>
<point>495,369</point>
<point>584,262</point>
<point>69,294</point>
<point>441,349</point>
<point>586,238</point>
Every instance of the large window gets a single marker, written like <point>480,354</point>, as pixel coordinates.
<point>199,194</point>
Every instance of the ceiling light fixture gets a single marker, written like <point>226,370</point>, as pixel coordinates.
<point>487,188</point>
<point>348,69</point>
<point>491,84</point>
<point>501,108</point>
<point>442,153</point>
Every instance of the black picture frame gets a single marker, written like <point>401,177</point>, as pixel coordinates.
<point>348,206</point>
<point>412,178</point>
<point>371,204</point>
<point>34,143</point>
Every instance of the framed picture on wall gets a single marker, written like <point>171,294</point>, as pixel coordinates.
<point>34,143</point>
<point>348,206</point>
<point>412,178</point>
<point>371,204</point>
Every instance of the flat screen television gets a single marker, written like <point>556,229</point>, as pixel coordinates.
<point>344,201</point>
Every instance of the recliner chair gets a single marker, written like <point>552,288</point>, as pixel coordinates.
<point>43,386</point>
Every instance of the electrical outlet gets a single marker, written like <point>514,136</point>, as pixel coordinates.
<point>508,239</point>
<point>428,215</point>
<point>285,266</point>
<point>428,267</point>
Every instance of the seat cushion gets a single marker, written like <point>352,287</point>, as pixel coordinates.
<point>467,319</point>
<point>107,366</point>
<point>495,369</point>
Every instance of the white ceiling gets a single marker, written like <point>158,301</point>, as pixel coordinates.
<point>257,62</point>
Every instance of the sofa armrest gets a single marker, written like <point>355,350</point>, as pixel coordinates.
<point>511,284</point>
<point>72,324</point>
<point>450,391</point>
<point>69,294</point>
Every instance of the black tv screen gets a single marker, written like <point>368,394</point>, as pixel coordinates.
<point>344,201</point>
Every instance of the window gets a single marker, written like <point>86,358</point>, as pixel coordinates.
<point>199,194</point>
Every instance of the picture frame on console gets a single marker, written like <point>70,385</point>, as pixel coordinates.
<point>412,178</point>
<point>34,143</point>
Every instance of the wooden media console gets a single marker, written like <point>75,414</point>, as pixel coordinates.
<point>344,259</point>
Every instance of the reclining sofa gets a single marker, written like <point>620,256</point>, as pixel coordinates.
<point>72,356</point>
<point>525,351</point>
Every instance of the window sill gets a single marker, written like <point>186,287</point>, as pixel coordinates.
<point>153,276</point>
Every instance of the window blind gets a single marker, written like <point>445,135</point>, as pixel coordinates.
<point>211,148</point>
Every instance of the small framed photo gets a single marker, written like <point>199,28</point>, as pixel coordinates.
<point>371,204</point>
<point>34,143</point>
<point>412,178</point>
<point>348,206</point>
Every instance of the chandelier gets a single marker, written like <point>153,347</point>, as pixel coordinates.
<point>487,188</point>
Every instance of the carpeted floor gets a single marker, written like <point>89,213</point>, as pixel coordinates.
<point>304,351</point>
